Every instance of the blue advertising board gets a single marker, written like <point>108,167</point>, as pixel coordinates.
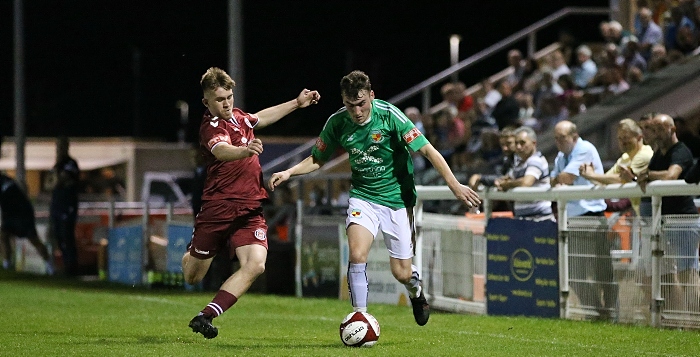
<point>178,238</point>
<point>522,268</point>
<point>125,254</point>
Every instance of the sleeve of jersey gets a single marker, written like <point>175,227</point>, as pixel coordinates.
<point>213,134</point>
<point>325,144</point>
<point>413,138</point>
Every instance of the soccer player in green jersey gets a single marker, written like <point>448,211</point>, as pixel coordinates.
<point>378,137</point>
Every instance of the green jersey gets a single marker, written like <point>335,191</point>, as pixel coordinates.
<point>382,169</point>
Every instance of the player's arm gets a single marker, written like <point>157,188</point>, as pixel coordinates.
<point>226,152</point>
<point>463,193</point>
<point>310,164</point>
<point>273,114</point>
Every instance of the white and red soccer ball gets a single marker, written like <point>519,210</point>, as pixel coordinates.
<point>359,329</point>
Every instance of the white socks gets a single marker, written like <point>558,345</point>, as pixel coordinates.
<point>358,284</point>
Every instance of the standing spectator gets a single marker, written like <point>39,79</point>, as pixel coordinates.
<point>231,210</point>
<point>687,136</point>
<point>18,221</point>
<point>530,170</point>
<point>671,161</point>
<point>574,152</point>
<point>635,159</point>
<point>649,33</point>
<point>378,137</point>
<point>586,70</point>
<point>507,111</point>
<point>64,205</point>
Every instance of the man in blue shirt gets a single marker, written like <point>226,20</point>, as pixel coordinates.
<point>573,152</point>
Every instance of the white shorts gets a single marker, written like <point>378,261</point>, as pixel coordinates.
<point>398,225</point>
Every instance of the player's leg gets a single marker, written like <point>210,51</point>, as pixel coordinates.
<point>194,269</point>
<point>359,243</point>
<point>362,225</point>
<point>399,237</point>
<point>33,237</point>
<point>6,249</point>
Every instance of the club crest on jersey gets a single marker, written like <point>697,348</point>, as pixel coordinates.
<point>376,136</point>
<point>260,234</point>
<point>214,123</point>
<point>244,140</point>
<point>320,145</point>
<point>411,135</point>
<point>356,213</point>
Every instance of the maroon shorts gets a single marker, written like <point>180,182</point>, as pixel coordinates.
<point>225,223</point>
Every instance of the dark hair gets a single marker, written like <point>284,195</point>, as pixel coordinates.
<point>215,78</point>
<point>355,82</point>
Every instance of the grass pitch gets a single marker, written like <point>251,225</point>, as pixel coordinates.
<point>45,316</point>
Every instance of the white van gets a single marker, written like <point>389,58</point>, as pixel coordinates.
<point>160,187</point>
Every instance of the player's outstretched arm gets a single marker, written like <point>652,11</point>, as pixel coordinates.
<point>310,164</point>
<point>462,192</point>
<point>228,152</point>
<point>273,114</point>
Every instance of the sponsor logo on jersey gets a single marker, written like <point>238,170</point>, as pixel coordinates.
<point>260,234</point>
<point>356,213</point>
<point>218,139</point>
<point>320,145</point>
<point>202,252</point>
<point>411,135</point>
<point>214,123</point>
<point>376,136</point>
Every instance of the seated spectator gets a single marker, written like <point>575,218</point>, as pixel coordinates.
<point>631,57</point>
<point>649,33</point>
<point>559,65</point>
<point>456,95</point>
<point>491,95</point>
<point>497,158</point>
<point>507,110</point>
<point>586,70</point>
<point>482,121</point>
<point>515,61</point>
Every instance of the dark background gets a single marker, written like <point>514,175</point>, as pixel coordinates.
<point>79,56</point>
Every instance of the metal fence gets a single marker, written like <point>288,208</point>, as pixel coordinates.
<point>616,267</point>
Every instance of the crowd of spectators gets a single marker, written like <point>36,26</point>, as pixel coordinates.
<point>541,92</point>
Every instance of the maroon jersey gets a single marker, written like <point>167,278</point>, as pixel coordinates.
<point>239,179</point>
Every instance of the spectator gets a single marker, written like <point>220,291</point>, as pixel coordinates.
<point>64,205</point>
<point>587,69</point>
<point>574,152</point>
<point>687,136</point>
<point>530,170</point>
<point>635,159</point>
<point>456,95</point>
<point>515,61</point>
<point>671,161</point>
<point>649,34</point>
<point>507,111</point>
<point>18,221</point>
<point>559,65</point>
<point>631,56</point>
<point>491,95</point>
<point>507,144</point>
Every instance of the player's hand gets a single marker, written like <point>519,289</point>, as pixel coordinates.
<point>308,97</point>
<point>466,195</point>
<point>255,147</point>
<point>277,178</point>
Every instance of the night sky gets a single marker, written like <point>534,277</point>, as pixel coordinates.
<point>79,56</point>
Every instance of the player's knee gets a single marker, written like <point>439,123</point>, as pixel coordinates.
<point>402,275</point>
<point>257,268</point>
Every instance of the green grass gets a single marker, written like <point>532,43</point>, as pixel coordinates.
<point>53,317</point>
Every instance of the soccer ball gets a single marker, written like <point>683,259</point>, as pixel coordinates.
<point>359,329</point>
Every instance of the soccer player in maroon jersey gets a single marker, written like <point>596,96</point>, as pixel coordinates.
<point>231,214</point>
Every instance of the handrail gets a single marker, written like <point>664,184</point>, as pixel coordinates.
<point>286,157</point>
<point>628,190</point>
<point>498,46</point>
